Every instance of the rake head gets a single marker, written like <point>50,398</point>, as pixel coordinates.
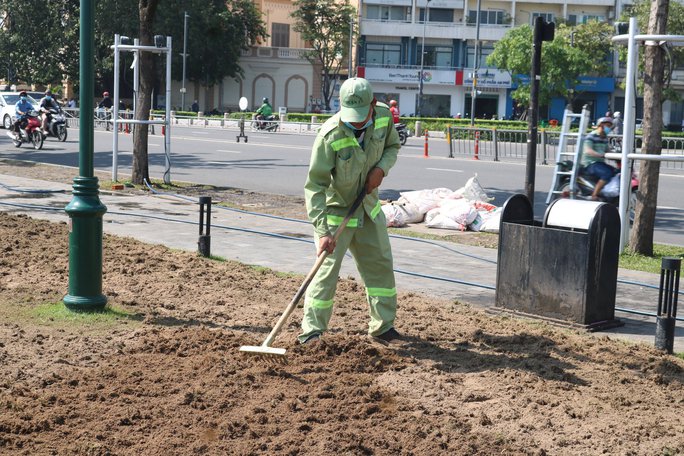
<point>263,351</point>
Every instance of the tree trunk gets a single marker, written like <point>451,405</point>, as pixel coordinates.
<point>641,239</point>
<point>147,10</point>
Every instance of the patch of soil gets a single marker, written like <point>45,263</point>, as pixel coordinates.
<point>165,376</point>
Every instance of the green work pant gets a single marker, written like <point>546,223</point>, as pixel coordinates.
<point>370,247</point>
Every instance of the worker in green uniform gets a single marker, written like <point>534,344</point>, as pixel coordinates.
<point>354,151</point>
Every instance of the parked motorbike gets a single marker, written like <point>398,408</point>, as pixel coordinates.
<point>30,133</point>
<point>269,123</point>
<point>404,133</point>
<point>57,124</point>
<point>586,183</point>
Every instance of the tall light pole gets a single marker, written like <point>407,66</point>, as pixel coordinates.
<point>185,47</point>
<point>422,60</point>
<point>351,43</point>
<point>476,65</point>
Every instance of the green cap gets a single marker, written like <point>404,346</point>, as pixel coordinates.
<point>356,95</point>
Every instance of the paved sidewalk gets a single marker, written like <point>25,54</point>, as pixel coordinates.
<point>468,273</point>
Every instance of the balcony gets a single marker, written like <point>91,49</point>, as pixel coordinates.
<point>444,30</point>
<point>275,53</point>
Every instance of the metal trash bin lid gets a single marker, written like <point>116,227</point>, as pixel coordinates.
<point>571,214</point>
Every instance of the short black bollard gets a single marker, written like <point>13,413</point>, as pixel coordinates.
<point>667,303</point>
<point>204,243</point>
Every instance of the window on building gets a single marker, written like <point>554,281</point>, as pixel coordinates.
<point>484,53</point>
<point>383,54</point>
<point>590,17</point>
<point>548,17</point>
<point>572,19</point>
<point>280,35</point>
<point>386,12</point>
<point>441,15</point>
<point>487,17</point>
<point>437,56</point>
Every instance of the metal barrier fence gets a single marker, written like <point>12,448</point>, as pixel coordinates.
<point>500,144</point>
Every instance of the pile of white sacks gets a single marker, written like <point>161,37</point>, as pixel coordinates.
<point>467,208</point>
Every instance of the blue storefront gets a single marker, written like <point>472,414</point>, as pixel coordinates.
<point>595,92</point>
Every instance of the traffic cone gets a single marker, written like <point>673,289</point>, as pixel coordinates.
<point>425,152</point>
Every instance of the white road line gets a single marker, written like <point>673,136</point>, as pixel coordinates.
<point>229,151</point>
<point>444,169</point>
<point>672,175</point>
<point>199,132</point>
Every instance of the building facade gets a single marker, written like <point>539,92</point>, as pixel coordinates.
<point>399,37</point>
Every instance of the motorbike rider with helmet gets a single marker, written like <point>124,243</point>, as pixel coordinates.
<point>47,103</point>
<point>593,156</point>
<point>106,102</point>
<point>264,112</point>
<point>21,109</point>
<point>394,109</point>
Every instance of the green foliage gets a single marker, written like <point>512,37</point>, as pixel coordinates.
<point>325,25</point>
<point>41,42</point>
<point>641,9</point>
<point>575,51</point>
<point>38,42</point>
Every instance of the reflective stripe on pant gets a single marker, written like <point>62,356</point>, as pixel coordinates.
<point>370,247</point>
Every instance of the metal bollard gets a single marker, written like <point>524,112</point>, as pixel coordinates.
<point>667,303</point>
<point>204,242</point>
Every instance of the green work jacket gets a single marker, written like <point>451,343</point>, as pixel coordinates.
<point>339,166</point>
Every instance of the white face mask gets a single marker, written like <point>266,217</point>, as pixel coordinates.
<point>366,125</point>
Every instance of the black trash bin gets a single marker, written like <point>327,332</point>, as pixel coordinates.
<point>565,269</point>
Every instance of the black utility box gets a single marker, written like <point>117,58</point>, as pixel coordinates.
<point>565,269</point>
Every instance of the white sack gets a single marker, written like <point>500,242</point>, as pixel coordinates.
<point>435,219</point>
<point>426,199</point>
<point>612,188</point>
<point>492,221</point>
<point>473,191</point>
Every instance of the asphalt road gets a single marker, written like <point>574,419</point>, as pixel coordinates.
<point>278,162</point>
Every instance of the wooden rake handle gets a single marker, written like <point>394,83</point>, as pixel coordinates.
<point>309,277</point>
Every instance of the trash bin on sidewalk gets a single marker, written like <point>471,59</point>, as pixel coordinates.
<point>564,270</point>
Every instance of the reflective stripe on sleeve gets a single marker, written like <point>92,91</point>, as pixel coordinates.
<point>342,143</point>
<point>382,292</point>
<point>336,220</point>
<point>382,122</point>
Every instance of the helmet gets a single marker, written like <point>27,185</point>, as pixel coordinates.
<point>617,114</point>
<point>393,102</point>
<point>265,100</point>
<point>48,93</point>
<point>605,120</point>
<point>22,93</point>
<point>105,94</point>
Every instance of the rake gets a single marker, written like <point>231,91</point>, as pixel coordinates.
<point>265,348</point>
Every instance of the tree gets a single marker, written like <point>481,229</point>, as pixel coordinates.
<point>326,26</point>
<point>564,59</point>
<point>641,9</point>
<point>217,34</point>
<point>641,239</point>
<point>39,40</point>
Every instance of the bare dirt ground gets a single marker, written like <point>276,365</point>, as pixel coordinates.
<point>160,373</point>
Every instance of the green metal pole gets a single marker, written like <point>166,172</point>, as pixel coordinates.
<point>85,209</point>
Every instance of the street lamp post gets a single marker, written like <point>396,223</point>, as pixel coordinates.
<point>422,60</point>
<point>476,65</point>
<point>185,47</point>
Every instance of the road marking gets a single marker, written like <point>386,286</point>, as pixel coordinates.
<point>229,151</point>
<point>672,175</point>
<point>199,132</point>
<point>444,169</point>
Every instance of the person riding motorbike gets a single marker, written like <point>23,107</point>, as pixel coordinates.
<point>264,112</point>
<point>21,109</point>
<point>106,102</point>
<point>47,103</point>
<point>593,156</point>
<point>394,109</point>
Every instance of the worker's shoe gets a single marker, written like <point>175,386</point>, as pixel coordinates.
<point>313,339</point>
<point>390,337</point>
